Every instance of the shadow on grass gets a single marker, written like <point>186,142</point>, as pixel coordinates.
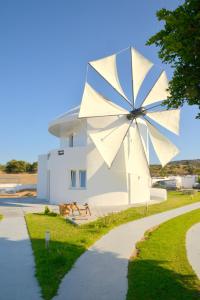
<point>151,281</point>
<point>53,263</point>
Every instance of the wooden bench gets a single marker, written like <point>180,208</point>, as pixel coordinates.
<point>69,208</point>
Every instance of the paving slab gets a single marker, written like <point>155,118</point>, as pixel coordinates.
<point>101,272</point>
<point>193,247</point>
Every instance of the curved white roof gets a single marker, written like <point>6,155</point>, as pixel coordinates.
<point>65,123</point>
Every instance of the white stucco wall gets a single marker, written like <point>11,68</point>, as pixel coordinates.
<point>158,194</point>
<point>79,136</point>
<point>59,169</point>
<point>187,182</point>
<point>42,182</point>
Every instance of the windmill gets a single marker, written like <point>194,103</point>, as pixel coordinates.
<point>126,122</point>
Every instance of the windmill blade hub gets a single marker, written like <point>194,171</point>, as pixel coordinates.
<point>135,113</point>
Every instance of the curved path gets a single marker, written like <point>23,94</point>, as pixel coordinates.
<point>193,247</point>
<point>101,272</point>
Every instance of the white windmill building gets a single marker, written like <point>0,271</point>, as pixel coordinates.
<point>104,151</point>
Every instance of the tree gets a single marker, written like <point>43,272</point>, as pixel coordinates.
<point>179,44</point>
<point>32,168</point>
<point>15,166</point>
<point>2,167</point>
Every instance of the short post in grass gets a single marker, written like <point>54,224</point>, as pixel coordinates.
<point>47,238</point>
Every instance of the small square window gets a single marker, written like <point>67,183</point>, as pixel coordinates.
<point>61,152</point>
<point>73,178</point>
<point>82,178</point>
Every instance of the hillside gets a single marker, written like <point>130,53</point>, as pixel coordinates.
<point>180,167</point>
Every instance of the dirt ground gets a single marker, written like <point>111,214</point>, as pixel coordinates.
<point>23,178</point>
<point>22,194</point>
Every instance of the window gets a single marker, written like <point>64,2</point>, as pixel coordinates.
<point>82,179</point>
<point>60,152</point>
<point>71,140</point>
<point>73,178</point>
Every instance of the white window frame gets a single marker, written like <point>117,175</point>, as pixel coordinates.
<point>79,173</point>
<point>71,140</point>
<point>71,183</point>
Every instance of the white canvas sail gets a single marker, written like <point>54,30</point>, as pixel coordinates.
<point>108,141</point>
<point>159,90</point>
<point>107,68</point>
<point>95,105</point>
<point>137,162</point>
<point>140,67</point>
<point>164,149</point>
<point>169,119</point>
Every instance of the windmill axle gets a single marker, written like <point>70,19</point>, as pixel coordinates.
<point>135,113</point>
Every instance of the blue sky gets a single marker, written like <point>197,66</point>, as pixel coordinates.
<point>45,46</point>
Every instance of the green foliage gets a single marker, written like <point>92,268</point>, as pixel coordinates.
<point>46,210</point>
<point>20,166</point>
<point>179,43</point>
<point>15,166</point>
<point>32,168</point>
<point>182,167</point>
<point>161,269</point>
<point>2,167</point>
<point>69,241</point>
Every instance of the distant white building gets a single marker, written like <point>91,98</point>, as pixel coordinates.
<point>77,172</point>
<point>180,182</point>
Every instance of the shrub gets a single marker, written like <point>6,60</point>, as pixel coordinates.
<point>49,213</point>
<point>46,210</point>
<point>15,166</point>
<point>20,166</point>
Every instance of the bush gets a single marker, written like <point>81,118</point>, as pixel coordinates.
<point>32,168</point>
<point>2,167</point>
<point>46,210</point>
<point>15,166</point>
<point>20,166</point>
<point>49,213</point>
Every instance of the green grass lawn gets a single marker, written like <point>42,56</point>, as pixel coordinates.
<point>161,269</point>
<point>68,241</point>
<point>1,217</point>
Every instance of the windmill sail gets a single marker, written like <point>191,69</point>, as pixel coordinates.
<point>168,119</point>
<point>140,67</point>
<point>95,105</point>
<point>164,149</point>
<point>107,68</point>
<point>159,91</point>
<point>108,141</point>
<point>137,162</point>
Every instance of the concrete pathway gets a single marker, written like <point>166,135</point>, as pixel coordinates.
<point>101,272</point>
<point>17,280</point>
<point>193,247</point>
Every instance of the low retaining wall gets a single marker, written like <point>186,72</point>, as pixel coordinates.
<point>158,194</point>
<point>16,187</point>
